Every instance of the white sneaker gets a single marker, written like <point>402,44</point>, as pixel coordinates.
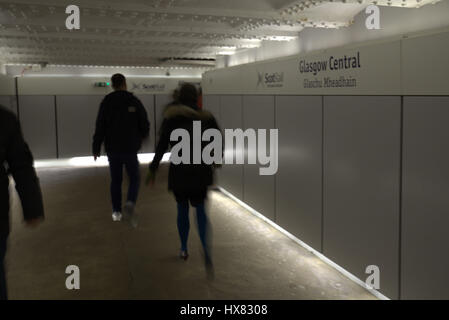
<point>116,216</point>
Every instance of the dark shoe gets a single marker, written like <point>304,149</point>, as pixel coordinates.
<point>129,210</point>
<point>209,268</point>
<point>184,255</point>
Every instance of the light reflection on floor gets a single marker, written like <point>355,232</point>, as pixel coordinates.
<point>144,158</point>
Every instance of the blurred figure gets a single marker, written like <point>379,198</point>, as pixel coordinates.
<point>175,96</point>
<point>122,124</point>
<point>17,160</point>
<point>188,182</point>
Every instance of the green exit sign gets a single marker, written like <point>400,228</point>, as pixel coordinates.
<point>101,84</point>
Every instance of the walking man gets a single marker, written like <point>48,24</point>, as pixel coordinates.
<point>122,125</point>
<point>17,160</point>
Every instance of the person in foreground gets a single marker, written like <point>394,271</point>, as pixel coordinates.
<point>122,124</point>
<point>188,182</point>
<point>17,160</point>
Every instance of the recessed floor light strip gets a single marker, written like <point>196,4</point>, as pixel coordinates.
<point>144,158</point>
<point>322,257</point>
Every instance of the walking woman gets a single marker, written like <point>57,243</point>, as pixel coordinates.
<point>188,182</point>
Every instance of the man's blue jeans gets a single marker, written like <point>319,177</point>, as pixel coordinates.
<point>116,164</point>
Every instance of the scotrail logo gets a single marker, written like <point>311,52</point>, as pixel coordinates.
<point>270,80</point>
<point>259,79</point>
<point>148,87</point>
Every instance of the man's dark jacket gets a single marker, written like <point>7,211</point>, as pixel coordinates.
<point>16,159</point>
<point>185,178</point>
<point>122,124</point>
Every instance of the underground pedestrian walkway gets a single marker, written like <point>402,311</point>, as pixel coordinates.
<point>252,259</point>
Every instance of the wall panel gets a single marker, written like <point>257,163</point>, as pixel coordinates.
<point>299,179</point>
<point>361,185</point>
<point>148,102</point>
<point>258,190</point>
<point>231,176</point>
<point>425,218</point>
<point>7,85</point>
<point>212,104</point>
<point>76,124</point>
<point>425,64</point>
<point>162,100</point>
<point>37,119</point>
<point>9,102</point>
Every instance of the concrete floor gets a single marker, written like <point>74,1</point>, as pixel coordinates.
<point>252,259</point>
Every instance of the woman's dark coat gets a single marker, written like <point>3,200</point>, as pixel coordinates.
<point>184,178</point>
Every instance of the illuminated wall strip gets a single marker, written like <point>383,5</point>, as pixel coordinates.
<point>318,254</point>
<point>144,158</point>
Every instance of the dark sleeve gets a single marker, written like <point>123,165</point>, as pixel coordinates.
<point>20,163</point>
<point>100,129</point>
<point>144,124</point>
<point>162,145</point>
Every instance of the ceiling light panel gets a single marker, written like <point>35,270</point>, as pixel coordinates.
<point>143,31</point>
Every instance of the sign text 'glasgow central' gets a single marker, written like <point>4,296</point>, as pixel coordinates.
<point>333,63</point>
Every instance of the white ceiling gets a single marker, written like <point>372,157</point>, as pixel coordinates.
<point>161,32</point>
